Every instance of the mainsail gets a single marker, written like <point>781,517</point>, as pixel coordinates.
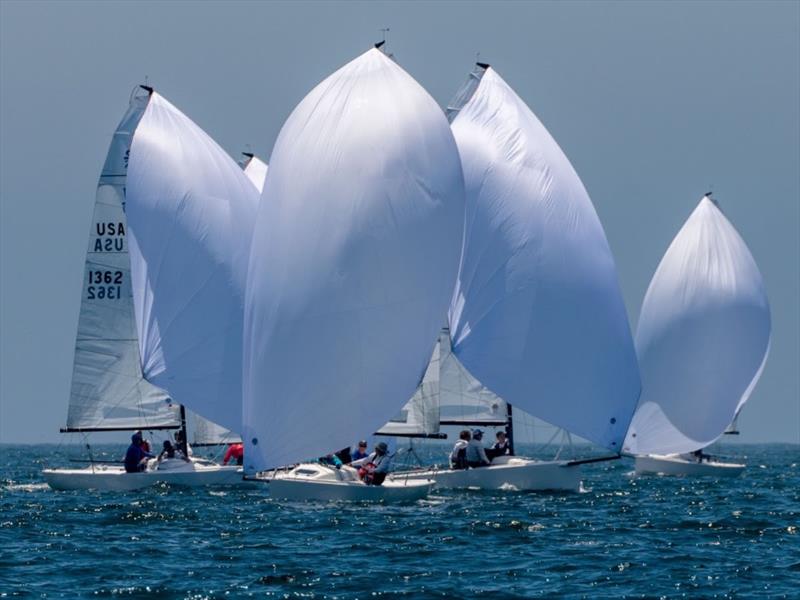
<point>353,262</point>
<point>203,432</point>
<point>703,337</point>
<point>448,395</point>
<point>537,315</point>
<point>256,170</point>
<point>191,211</point>
<point>109,391</point>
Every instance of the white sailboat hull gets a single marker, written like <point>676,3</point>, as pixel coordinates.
<point>315,482</point>
<point>506,473</point>
<point>172,472</point>
<point>675,464</point>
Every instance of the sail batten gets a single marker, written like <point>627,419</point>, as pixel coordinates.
<point>353,261</point>
<point>537,315</point>
<point>703,337</point>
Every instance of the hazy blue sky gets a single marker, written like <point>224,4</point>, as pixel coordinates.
<point>652,102</point>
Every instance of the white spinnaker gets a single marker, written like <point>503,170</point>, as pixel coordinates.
<point>256,171</point>
<point>108,388</point>
<point>353,262</point>
<point>191,211</point>
<point>703,337</point>
<point>537,315</point>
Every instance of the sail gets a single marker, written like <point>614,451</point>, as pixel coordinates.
<point>447,395</point>
<point>256,171</point>
<point>537,315</point>
<point>190,211</point>
<point>703,337</point>
<point>203,432</point>
<point>354,257</point>
<point>420,415</point>
<point>108,388</point>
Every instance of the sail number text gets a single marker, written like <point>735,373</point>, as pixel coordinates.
<point>104,285</point>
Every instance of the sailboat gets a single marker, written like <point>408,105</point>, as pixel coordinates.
<point>354,257</point>
<point>702,340</point>
<point>537,316</point>
<point>161,307</point>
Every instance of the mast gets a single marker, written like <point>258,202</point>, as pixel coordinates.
<point>184,446</point>
<point>510,429</point>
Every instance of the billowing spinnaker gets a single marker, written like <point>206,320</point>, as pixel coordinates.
<point>353,262</point>
<point>702,339</point>
<point>191,211</point>
<point>256,171</point>
<point>108,388</point>
<point>537,315</point>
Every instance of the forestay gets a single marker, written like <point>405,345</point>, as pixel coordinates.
<point>537,315</point>
<point>256,171</point>
<point>191,211</point>
<point>108,389</point>
<point>354,257</point>
<point>703,337</point>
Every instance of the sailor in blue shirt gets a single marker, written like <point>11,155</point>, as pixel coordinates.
<point>136,457</point>
<point>360,452</point>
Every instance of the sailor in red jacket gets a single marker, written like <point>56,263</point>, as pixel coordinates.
<point>234,451</point>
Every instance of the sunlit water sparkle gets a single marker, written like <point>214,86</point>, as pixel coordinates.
<point>622,537</point>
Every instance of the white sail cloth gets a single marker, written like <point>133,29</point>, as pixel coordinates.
<point>190,211</point>
<point>703,337</point>
<point>108,388</point>
<point>448,393</point>
<point>537,315</point>
<point>256,171</point>
<point>353,262</point>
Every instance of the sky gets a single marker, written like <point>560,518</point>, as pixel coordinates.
<point>654,103</point>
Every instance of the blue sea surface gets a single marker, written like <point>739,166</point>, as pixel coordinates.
<point>632,537</point>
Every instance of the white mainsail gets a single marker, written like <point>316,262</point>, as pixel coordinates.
<point>190,212</point>
<point>448,395</point>
<point>537,315</point>
<point>703,337</point>
<point>256,170</point>
<point>108,390</point>
<point>203,432</point>
<point>353,262</point>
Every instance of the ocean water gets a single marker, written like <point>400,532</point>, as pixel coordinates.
<point>622,537</point>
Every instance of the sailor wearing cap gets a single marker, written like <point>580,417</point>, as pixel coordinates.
<point>476,455</point>
<point>373,468</point>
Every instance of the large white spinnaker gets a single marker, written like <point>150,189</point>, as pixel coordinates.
<point>702,339</point>
<point>256,170</point>
<point>353,261</point>
<point>537,315</point>
<point>109,391</point>
<point>190,212</point>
